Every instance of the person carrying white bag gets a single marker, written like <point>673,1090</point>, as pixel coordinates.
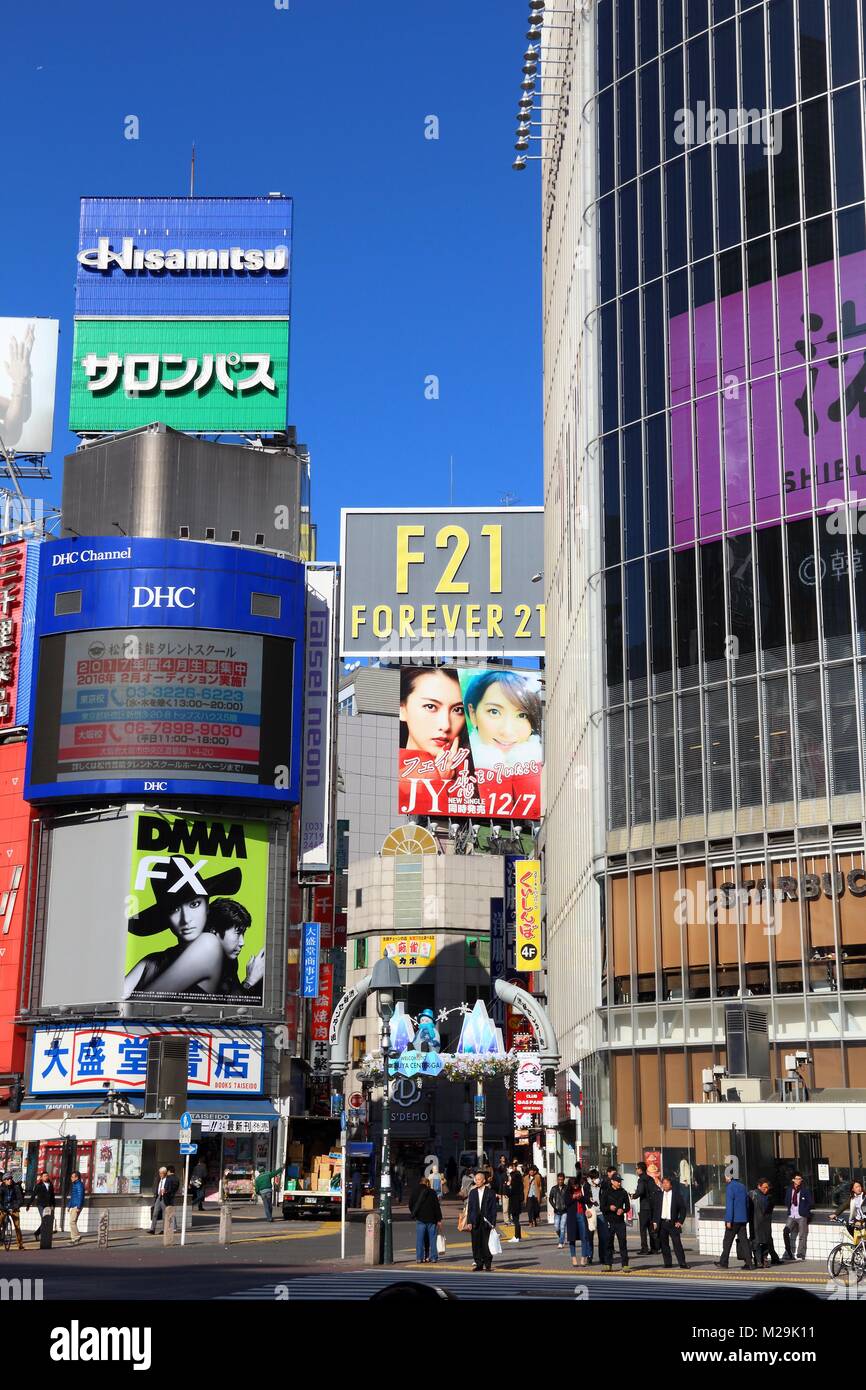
<point>481,1216</point>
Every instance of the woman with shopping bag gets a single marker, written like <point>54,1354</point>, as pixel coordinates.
<point>481,1215</point>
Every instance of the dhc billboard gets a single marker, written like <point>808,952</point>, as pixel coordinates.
<point>166,667</point>
<point>198,257</point>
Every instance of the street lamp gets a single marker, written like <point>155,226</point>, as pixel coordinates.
<point>384,983</point>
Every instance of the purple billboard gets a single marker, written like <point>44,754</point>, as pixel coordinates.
<point>797,417</point>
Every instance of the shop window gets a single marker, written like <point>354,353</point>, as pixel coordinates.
<point>361,953</point>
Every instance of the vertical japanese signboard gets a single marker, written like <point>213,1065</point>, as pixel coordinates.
<point>13,559</point>
<point>527,887</point>
<point>316,849</point>
<point>310,960</point>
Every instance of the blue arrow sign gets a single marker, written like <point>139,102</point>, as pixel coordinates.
<point>188,1149</point>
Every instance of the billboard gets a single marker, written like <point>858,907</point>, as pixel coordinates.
<point>446,582</point>
<point>89,1056</point>
<point>798,418</point>
<point>28,371</point>
<point>527,884</point>
<point>470,742</point>
<point>198,257</point>
<point>166,666</point>
<point>205,375</point>
<point>15,871</point>
<point>196,910</point>
<point>409,950</point>
<point>316,836</point>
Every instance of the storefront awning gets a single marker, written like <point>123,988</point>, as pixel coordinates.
<point>359,1150</point>
<point>233,1114</point>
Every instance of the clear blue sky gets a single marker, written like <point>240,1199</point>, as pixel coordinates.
<point>411,256</point>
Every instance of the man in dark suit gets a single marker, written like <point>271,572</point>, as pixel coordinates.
<point>163,1196</point>
<point>481,1215</point>
<point>668,1215</point>
<point>644,1196</point>
<point>762,1225</point>
<point>798,1214</point>
<point>44,1197</point>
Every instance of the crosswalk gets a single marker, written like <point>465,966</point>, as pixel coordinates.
<point>360,1285</point>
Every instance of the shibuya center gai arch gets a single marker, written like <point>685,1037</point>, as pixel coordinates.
<point>705,470</point>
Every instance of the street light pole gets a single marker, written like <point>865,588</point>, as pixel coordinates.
<point>385,1187</point>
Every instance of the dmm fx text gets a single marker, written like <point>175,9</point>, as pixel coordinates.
<point>431,619</point>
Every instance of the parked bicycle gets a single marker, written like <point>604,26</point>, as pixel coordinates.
<point>849,1256</point>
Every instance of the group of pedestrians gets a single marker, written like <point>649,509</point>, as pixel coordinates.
<point>44,1198</point>
<point>749,1222</point>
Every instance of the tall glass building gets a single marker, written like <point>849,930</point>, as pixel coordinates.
<point>705,451</point>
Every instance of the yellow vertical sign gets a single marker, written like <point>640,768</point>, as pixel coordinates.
<point>527,903</point>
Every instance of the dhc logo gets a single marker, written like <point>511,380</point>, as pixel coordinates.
<point>145,597</point>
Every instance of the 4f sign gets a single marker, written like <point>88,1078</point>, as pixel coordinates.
<point>527,884</point>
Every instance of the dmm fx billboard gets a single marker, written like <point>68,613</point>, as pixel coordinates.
<point>206,375</point>
<point>166,667</point>
<point>194,257</point>
<point>88,1057</point>
<point>196,910</point>
<point>442,582</point>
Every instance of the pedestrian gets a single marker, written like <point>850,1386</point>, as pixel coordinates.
<point>644,1196</point>
<point>264,1188</point>
<point>355,1186</point>
<point>44,1196</point>
<point>798,1205</point>
<point>617,1205</point>
<point>163,1196</point>
<point>515,1199</point>
<point>763,1250</point>
<point>436,1182</point>
<point>199,1178</point>
<point>75,1206</point>
<point>736,1223</point>
<point>397,1180</point>
<point>427,1211</point>
<point>556,1201</point>
<point>533,1188</point>
<point>11,1198</point>
<point>595,1218</point>
<point>451,1174</point>
<point>668,1215</point>
<point>467,1184</point>
<point>577,1198</point>
<point>853,1209</point>
<point>481,1218</point>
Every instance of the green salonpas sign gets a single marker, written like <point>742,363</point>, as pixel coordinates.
<point>208,375</point>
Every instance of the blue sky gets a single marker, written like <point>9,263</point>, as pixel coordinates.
<point>412,257</point>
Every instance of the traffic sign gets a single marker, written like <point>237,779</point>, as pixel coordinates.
<point>186,1120</point>
<point>186,1149</point>
<point>356,1101</point>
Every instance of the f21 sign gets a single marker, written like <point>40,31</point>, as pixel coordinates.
<point>442,582</point>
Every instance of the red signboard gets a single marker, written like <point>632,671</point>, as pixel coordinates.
<point>322,1005</point>
<point>15,818</point>
<point>529,1102</point>
<point>13,559</point>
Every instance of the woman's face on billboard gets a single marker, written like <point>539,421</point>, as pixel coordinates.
<point>188,920</point>
<point>433,713</point>
<point>499,721</point>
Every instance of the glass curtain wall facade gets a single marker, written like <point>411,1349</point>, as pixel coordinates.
<point>728,322</point>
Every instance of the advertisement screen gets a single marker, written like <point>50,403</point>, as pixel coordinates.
<point>196,911</point>
<point>794,443</point>
<point>470,742</point>
<point>448,582</point>
<point>28,369</point>
<point>206,375</point>
<point>162,703</point>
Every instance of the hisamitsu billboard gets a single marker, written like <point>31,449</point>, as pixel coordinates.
<point>196,257</point>
<point>448,582</point>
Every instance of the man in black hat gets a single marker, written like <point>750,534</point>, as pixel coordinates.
<point>196,963</point>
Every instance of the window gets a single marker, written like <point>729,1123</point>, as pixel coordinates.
<point>260,537</point>
<point>210,533</point>
<point>477,953</point>
<point>67,603</point>
<point>360,952</point>
<point>359,1050</point>
<point>235,536</point>
<point>359,894</point>
<point>183,532</point>
<point>265,605</point>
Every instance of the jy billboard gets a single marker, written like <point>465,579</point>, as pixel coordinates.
<point>196,911</point>
<point>470,743</point>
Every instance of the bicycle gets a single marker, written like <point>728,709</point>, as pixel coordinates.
<point>7,1229</point>
<point>849,1256</point>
